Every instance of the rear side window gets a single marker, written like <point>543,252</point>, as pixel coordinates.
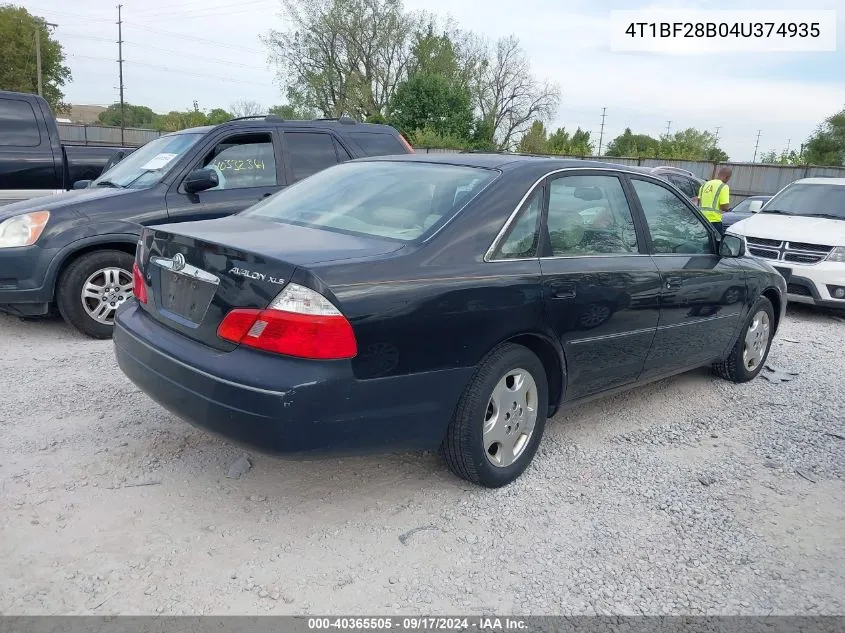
<point>378,143</point>
<point>310,152</point>
<point>398,200</point>
<point>18,125</point>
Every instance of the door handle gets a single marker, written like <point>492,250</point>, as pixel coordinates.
<point>267,195</point>
<point>564,291</point>
<point>674,282</point>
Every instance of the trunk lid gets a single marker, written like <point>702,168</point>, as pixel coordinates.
<point>196,272</point>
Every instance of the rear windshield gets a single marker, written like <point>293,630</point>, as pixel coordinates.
<point>815,200</point>
<point>378,144</point>
<point>397,200</point>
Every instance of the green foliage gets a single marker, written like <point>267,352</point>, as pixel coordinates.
<point>578,144</point>
<point>428,137</point>
<point>782,158</point>
<point>691,144</point>
<point>135,116</point>
<point>292,113</point>
<point>688,144</point>
<point>217,116</point>
<point>364,57</point>
<point>483,136</point>
<point>827,144</point>
<point>630,145</point>
<point>18,66</point>
<point>433,102</point>
<point>535,140</point>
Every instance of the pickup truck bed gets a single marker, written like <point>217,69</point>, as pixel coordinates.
<point>33,161</point>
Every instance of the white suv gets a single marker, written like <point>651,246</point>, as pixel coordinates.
<point>801,232</point>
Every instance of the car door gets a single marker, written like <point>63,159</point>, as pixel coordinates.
<point>307,152</point>
<point>600,287</point>
<point>248,168</point>
<point>701,296</point>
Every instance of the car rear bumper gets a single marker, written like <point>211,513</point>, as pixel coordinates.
<point>283,405</point>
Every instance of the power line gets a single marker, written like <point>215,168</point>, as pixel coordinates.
<point>187,8</point>
<point>601,133</point>
<point>756,146</point>
<point>203,57</point>
<point>196,39</point>
<point>196,13</point>
<point>179,71</point>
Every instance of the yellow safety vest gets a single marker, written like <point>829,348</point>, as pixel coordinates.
<point>708,199</point>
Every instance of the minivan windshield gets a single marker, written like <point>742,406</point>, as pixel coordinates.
<point>397,200</point>
<point>147,165</point>
<point>812,200</point>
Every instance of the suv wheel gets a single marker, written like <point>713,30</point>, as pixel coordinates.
<point>500,418</point>
<point>92,288</point>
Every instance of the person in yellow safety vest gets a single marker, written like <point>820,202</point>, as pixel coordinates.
<point>714,198</point>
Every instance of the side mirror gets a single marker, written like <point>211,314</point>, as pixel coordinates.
<point>81,184</point>
<point>732,246</point>
<point>755,205</point>
<point>200,180</point>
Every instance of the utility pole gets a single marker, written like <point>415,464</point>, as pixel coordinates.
<point>754,160</point>
<point>788,141</point>
<point>120,67</point>
<point>38,57</point>
<point>601,133</point>
<point>716,140</point>
<point>668,127</point>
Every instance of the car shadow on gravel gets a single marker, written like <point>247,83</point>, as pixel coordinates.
<point>51,325</point>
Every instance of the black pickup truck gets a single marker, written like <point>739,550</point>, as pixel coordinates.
<point>74,251</point>
<point>33,161</point>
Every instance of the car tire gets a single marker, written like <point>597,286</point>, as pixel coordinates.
<point>753,344</point>
<point>490,442</point>
<point>107,275</point>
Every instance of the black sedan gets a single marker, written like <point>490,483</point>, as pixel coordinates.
<point>744,209</point>
<point>450,302</point>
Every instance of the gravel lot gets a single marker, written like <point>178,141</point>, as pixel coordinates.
<point>689,496</point>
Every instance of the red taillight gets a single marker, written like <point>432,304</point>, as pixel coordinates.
<point>139,288</point>
<point>315,330</point>
<point>407,144</point>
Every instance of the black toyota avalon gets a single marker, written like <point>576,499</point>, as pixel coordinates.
<point>450,302</point>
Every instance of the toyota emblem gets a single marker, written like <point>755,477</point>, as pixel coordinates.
<point>178,261</point>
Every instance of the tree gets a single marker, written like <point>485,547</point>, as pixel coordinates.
<point>244,107</point>
<point>630,145</point>
<point>691,144</point>
<point>292,113</point>
<point>434,102</point>
<point>534,141</point>
<point>18,69</point>
<point>134,116</point>
<point>578,144</point>
<point>218,116</point>
<point>508,94</point>
<point>343,56</point>
<point>782,158</point>
<point>826,146</point>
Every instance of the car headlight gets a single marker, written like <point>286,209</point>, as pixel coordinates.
<point>23,230</point>
<point>837,255</point>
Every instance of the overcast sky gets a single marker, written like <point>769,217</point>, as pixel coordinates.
<point>209,50</point>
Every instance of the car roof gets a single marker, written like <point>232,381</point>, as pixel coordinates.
<point>341,125</point>
<point>820,181</point>
<point>503,161</point>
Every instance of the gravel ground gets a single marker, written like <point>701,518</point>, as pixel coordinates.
<point>689,496</point>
